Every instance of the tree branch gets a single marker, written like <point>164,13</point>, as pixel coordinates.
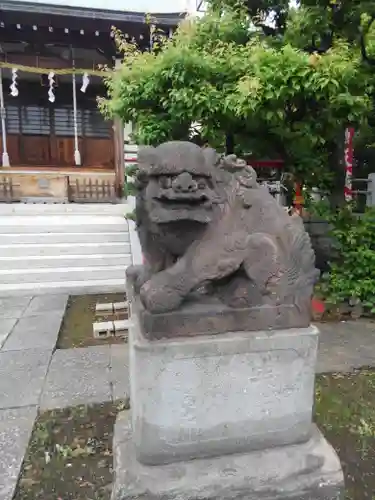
<point>365,57</point>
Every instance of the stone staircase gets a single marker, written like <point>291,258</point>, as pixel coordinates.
<point>63,248</point>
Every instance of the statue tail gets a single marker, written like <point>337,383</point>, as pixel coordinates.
<point>302,273</point>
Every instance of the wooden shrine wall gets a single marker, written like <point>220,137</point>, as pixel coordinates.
<point>40,133</point>
<point>34,150</point>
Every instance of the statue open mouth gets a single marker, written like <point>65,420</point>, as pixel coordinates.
<point>173,207</point>
<point>184,201</point>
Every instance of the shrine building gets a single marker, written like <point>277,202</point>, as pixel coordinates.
<point>55,144</point>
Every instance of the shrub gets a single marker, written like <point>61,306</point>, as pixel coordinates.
<point>352,274</point>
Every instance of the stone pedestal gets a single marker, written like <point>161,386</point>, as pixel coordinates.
<point>212,395</point>
<point>307,471</point>
<point>223,416</point>
<point>197,317</point>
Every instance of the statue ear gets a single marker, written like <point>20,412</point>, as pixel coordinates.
<point>211,156</point>
<point>146,159</point>
<point>232,163</point>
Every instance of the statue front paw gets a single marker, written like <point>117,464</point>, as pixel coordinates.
<point>133,271</point>
<point>158,297</point>
<point>138,275</point>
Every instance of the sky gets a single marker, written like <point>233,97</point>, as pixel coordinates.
<point>162,6</point>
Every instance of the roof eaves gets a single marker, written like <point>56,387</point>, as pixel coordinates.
<point>100,14</point>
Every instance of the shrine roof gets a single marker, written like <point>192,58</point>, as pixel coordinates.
<point>103,9</point>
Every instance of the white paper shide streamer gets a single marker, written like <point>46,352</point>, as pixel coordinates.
<point>4,156</point>
<point>13,87</point>
<point>51,80</point>
<point>85,82</point>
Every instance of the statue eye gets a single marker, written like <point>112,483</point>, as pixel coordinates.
<point>165,182</point>
<point>202,184</point>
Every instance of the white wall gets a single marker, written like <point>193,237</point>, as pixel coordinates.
<point>162,6</point>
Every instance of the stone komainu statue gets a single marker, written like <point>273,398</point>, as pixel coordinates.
<point>206,225</point>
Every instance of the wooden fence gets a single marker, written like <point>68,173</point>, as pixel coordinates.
<point>87,190</point>
<point>8,190</point>
<point>43,188</point>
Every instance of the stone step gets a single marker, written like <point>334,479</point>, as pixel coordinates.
<point>61,274</point>
<point>70,287</point>
<point>72,261</point>
<point>49,249</point>
<point>53,237</point>
<point>62,224</point>
<point>68,248</point>
<point>32,210</point>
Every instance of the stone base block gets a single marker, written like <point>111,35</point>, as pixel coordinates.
<point>220,394</point>
<point>210,315</point>
<point>309,471</point>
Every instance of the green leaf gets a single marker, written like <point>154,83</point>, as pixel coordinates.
<point>278,100</point>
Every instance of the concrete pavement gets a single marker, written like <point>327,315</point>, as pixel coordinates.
<point>35,376</point>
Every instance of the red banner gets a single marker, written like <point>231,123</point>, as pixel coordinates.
<point>298,198</point>
<point>348,161</point>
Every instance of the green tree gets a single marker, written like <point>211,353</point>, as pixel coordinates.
<point>281,95</point>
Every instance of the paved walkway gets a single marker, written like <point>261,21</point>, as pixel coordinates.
<point>346,345</point>
<point>33,375</point>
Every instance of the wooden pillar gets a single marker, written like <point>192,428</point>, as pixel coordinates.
<point>118,140</point>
